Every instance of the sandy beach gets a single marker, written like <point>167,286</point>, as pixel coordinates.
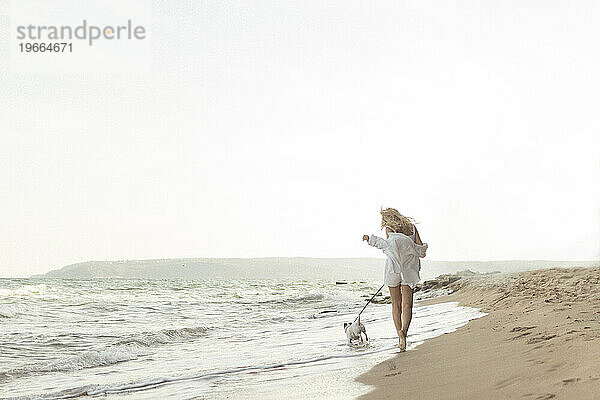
<point>538,341</point>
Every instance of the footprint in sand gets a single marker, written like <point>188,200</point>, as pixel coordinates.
<point>542,396</point>
<point>393,374</point>
<point>546,396</point>
<point>521,328</point>
<point>540,338</point>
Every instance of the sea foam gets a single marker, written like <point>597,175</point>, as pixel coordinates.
<point>10,310</point>
<point>24,291</point>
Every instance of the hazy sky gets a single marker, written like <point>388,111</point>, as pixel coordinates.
<point>279,128</point>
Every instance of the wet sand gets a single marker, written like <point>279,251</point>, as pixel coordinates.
<point>540,340</point>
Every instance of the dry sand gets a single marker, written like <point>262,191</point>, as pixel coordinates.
<point>540,340</point>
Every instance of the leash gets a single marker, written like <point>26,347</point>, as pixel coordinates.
<point>363,309</point>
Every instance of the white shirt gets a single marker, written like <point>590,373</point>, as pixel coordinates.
<point>402,255</point>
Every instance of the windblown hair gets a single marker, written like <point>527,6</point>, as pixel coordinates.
<point>398,222</point>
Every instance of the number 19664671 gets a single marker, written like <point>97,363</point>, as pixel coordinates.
<point>43,47</point>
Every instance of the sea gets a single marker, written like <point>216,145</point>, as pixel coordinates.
<point>198,339</point>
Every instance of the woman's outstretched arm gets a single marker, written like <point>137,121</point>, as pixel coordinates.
<point>375,241</point>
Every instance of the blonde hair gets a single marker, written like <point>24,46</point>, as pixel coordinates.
<point>398,222</point>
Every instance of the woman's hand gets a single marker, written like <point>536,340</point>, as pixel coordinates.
<point>366,238</point>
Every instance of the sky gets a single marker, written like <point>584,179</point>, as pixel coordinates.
<point>269,128</point>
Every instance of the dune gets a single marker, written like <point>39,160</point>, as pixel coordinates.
<point>538,341</point>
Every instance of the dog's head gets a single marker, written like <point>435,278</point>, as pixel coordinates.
<point>346,325</point>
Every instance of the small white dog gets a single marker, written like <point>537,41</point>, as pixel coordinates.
<point>355,330</point>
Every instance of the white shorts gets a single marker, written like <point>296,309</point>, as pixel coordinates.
<point>393,279</point>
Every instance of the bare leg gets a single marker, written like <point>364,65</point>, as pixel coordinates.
<point>396,296</point>
<point>407,304</point>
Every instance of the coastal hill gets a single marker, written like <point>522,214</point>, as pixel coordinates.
<point>225,268</point>
<point>281,268</point>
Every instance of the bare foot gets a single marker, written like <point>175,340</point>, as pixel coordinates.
<point>402,341</point>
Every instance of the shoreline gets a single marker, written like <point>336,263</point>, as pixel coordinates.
<point>538,341</point>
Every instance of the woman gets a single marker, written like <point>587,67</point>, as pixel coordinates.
<point>403,248</point>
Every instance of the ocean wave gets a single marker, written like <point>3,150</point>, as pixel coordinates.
<point>165,336</point>
<point>96,358</point>
<point>25,291</point>
<point>309,297</point>
<point>126,350</point>
<point>298,299</point>
<point>132,387</point>
<point>10,310</point>
<point>89,359</point>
